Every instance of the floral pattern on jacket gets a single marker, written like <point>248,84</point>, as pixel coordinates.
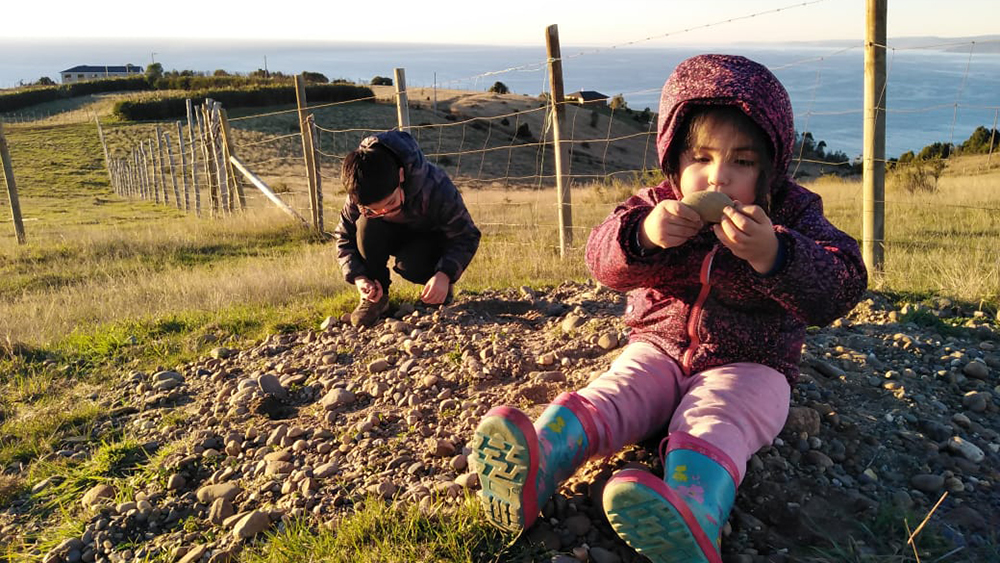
<point>743,316</point>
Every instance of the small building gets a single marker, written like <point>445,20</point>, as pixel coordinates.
<point>587,97</point>
<point>91,72</point>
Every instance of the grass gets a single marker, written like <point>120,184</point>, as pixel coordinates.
<point>386,533</point>
<point>105,284</point>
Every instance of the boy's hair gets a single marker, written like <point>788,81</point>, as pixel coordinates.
<point>370,174</point>
<point>694,127</point>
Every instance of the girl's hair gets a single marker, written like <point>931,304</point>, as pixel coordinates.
<point>694,129</point>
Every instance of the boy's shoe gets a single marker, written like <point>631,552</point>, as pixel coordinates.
<point>367,312</point>
<point>677,519</point>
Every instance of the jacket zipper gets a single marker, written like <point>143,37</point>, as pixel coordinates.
<point>694,319</point>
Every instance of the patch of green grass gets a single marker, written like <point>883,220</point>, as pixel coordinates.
<point>386,534</point>
<point>30,433</point>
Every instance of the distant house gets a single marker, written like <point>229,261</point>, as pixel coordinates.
<point>587,97</point>
<point>91,72</point>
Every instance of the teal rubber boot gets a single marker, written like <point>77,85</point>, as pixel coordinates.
<point>677,519</point>
<point>521,464</point>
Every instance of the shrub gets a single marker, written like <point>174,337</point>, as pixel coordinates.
<point>499,88</point>
<point>381,81</point>
<point>175,107</point>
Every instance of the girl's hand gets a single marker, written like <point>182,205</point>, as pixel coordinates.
<point>669,224</point>
<point>747,231</point>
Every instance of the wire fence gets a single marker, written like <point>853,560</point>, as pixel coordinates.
<point>496,144</point>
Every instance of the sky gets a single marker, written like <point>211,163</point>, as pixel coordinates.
<point>511,22</point>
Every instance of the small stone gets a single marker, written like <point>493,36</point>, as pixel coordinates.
<point>966,449</point>
<point>802,419</point>
<point>976,369</point>
<point>96,495</point>
<point>220,510</point>
<point>176,482</point>
<point>572,322</point>
<point>601,555</point>
<point>927,483</point>
<point>209,493</point>
<point>270,384</point>
<point>337,398</point>
<point>251,525</point>
<point>608,341</point>
<point>221,353</point>
<point>378,366</point>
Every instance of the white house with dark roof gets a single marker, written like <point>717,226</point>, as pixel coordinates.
<point>92,72</point>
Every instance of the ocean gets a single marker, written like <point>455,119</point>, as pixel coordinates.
<point>933,95</point>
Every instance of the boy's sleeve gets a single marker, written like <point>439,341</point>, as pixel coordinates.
<point>460,231</point>
<point>346,234</point>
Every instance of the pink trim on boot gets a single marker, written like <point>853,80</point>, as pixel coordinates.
<point>529,497</point>
<point>685,441</point>
<point>648,480</point>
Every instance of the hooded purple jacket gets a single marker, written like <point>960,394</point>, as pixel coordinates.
<point>698,302</point>
<point>432,204</point>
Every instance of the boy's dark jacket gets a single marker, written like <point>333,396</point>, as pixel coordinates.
<point>431,204</point>
<point>698,302</point>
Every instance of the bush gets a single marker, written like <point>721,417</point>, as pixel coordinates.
<point>982,141</point>
<point>25,97</point>
<point>499,88</point>
<point>916,175</point>
<point>175,107</point>
<point>381,81</point>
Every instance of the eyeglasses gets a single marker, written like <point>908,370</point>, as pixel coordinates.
<point>392,204</point>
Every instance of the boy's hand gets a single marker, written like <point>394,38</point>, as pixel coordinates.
<point>369,289</point>
<point>747,231</point>
<point>669,224</point>
<point>436,289</point>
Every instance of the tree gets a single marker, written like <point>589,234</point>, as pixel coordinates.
<point>381,81</point>
<point>45,81</point>
<point>154,72</point>
<point>314,77</point>
<point>499,88</point>
<point>618,102</point>
<point>220,72</point>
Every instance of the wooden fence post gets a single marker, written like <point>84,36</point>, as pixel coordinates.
<point>313,143</point>
<point>402,100</point>
<point>228,150</point>
<point>104,145</point>
<point>173,170</point>
<point>161,164</point>
<point>221,168</point>
<point>307,151</point>
<point>561,159</point>
<point>15,203</point>
<point>194,157</point>
<point>203,130</point>
<point>873,172</point>
<point>180,147</point>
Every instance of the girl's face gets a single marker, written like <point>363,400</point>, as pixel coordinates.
<point>721,159</point>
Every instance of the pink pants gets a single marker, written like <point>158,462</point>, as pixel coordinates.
<point>738,408</point>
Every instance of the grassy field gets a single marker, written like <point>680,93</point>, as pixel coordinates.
<point>106,284</point>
